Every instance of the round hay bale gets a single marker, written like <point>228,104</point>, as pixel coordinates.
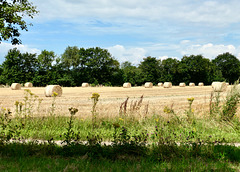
<point>219,86</point>
<point>167,85</point>
<point>227,83</point>
<point>50,89</point>
<point>200,84</point>
<point>191,84</point>
<point>182,84</point>
<point>16,86</point>
<point>28,84</point>
<point>127,85</point>
<point>148,85</point>
<point>160,84</point>
<point>85,84</point>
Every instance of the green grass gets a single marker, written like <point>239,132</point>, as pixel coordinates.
<point>186,143</point>
<point>33,157</point>
<point>205,129</point>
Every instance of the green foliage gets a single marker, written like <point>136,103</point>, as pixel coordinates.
<point>229,66</point>
<point>12,15</point>
<point>150,69</point>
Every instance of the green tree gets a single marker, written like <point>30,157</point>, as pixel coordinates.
<point>229,66</point>
<point>18,67</point>
<point>12,13</point>
<point>150,69</point>
<point>98,64</point>
<point>169,72</point>
<point>71,57</point>
<point>195,68</point>
<point>130,73</point>
<point>45,73</point>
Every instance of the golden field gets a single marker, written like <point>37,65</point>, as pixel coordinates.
<point>154,101</point>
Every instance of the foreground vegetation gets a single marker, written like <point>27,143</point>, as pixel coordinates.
<point>125,143</point>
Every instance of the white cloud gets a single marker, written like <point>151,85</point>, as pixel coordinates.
<point>5,47</point>
<point>122,54</point>
<point>210,50</point>
<point>166,57</point>
<point>212,12</point>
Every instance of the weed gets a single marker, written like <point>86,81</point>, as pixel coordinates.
<point>70,135</point>
<point>53,105</point>
<point>229,108</point>
<point>95,98</point>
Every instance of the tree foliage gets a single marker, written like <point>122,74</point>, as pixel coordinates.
<point>98,66</point>
<point>12,13</point>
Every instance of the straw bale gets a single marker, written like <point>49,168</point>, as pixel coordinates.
<point>167,85</point>
<point>191,84</point>
<point>85,84</point>
<point>200,84</point>
<point>182,84</point>
<point>50,89</point>
<point>148,85</point>
<point>127,85</point>
<point>160,84</point>
<point>16,86</point>
<point>28,84</point>
<point>219,86</point>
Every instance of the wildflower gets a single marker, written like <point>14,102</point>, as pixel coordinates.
<point>17,103</point>
<point>121,119</point>
<point>54,94</point>
<point>190,99</point>
<point>95,96</point>
<point>156,120</point>
<point>167,110</point>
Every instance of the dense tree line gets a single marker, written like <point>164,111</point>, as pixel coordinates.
<point>98,66</point>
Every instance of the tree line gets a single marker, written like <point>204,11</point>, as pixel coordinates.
<point>98,66</point>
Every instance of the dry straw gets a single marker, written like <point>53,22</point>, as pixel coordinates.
<point>160,84</point>
<point>51,89</point>
<point>127,85</point>
<point>182,84</point>
<point>167,85</point>
<point>148,85</point>
<point>200,84</point>
<point>28,84</point>
<point>219,86</point>
<point>16,86</point>
<point>191,84</point>
<point>85,84</point>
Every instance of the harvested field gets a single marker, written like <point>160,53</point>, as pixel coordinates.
<point>112,97</point>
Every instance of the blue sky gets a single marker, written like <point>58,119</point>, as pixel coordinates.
<point>132,30</point>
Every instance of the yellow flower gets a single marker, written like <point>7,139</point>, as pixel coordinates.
<point>95,96</point>
<point>190,99</point>
<point>121,119</point>
<point>156,120</point>
<point>55,94</point>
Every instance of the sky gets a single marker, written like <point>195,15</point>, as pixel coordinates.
<point>134,29</point>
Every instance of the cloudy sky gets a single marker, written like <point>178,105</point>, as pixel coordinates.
<point>134,29</point>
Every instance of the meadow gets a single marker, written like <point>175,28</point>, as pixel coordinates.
<point>120,129</point>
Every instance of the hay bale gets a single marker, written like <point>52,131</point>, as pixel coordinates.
<point>227,83</point>
<point>191,84</point>
<point>16,86</point>
<point>219,86</point>
<point>160,84</point>
<point>85,84</point>
<point>127,85</point>
<point>167,85</point>
<point>200,84</point>
<point>28,84</point>
<point>50,89</point>
<point>148,85</point>
<point>182,84</point>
